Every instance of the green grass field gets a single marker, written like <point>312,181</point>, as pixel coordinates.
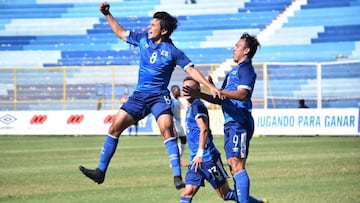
<point>282,169</point>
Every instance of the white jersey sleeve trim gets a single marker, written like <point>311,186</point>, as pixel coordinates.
<point>188,65</point>
<point>200,115</point>
<point>244,87</point>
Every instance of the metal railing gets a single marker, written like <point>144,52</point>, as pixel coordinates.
<point>279,85</point>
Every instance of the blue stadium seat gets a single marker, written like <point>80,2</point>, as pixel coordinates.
<point>261,5</point>
<point>53,34</point>
<point>339,34</point>
<point>100,36</point>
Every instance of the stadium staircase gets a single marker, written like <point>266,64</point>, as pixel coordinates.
<point>294,36</point>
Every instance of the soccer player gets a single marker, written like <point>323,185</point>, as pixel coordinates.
<point>176,108</point>
<point>236,104</point>
<point>205,160</point>
<point>302,104</point>
<point>158,58</point>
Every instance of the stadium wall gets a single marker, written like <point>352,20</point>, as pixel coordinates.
<point>268,122</point>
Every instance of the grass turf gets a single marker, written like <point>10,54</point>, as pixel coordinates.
<point>282,169</point>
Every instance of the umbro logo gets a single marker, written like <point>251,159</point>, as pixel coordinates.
<point>7,119</point>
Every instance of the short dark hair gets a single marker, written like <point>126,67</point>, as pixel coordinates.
<point>167,22</point>
<point>190,78</point>
<point>174,87</point>
<point>252,43</point>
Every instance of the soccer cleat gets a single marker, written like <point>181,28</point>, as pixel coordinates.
<point>96,175</point>
<point>178,182</point>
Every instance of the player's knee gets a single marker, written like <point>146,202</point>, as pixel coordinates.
<point>236,164</point>
<point>165,126</point>
<point>113,132</point>
<point>187,192</point>
<point>166,132</point>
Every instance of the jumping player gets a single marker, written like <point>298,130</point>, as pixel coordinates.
<point>236,104</point>
<point>158,58</point>
<point>205,160</point>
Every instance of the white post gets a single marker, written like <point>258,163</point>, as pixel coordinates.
<point>265,82</point>
<point>319,86</point>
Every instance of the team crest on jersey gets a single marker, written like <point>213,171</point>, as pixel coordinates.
<point>234,72</point>
<point>164,53</point>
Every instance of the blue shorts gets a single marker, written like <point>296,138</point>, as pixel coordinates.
<point>237,139</point>
<point>140,104</point>
<point>213,171</point>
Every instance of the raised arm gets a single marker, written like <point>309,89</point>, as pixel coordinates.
<point>198,94</point>
<point>119,31</point>
<point>196,75</point>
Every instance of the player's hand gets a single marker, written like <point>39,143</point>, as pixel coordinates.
<point>216,93</point>
<point>197,163</point>
<point>188,91</point>
<point>104,8</point>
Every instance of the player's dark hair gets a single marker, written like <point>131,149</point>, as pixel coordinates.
<point>190,78</point>
<point>252,43</point>
<point>167,22</point>
<point>174,87</point>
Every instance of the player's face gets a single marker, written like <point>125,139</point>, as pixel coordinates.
<point>240,50</point>
<point>192,84</point>
<point>154,30</point>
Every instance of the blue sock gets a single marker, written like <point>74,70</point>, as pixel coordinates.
<point>173,153</point>
<point>107,152</point>
<point>185,200</point>
<point>231,195</point>
<point>254,200</point>
<point>242,183</point>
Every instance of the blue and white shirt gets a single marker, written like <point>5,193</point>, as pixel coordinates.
<point>196,110</point>
<point>241,76</point>
<point>157,62</point>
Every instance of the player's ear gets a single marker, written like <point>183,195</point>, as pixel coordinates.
<point>163,32</point>
<point>246,50</point>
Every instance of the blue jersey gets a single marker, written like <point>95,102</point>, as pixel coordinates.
<point>196,110</point>
<point>241,76</point>
<point>157,62</point>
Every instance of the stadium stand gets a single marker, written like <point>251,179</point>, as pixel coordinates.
<point>80,35</point>
<point>325,39</point>
<point>53,33</point>
<point>302,34</point>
